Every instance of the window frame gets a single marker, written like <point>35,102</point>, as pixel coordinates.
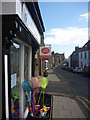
<point>23,114</point>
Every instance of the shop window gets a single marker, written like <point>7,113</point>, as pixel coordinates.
<point>15,79</point>
<point>26,49</point>
<point>26,63</point>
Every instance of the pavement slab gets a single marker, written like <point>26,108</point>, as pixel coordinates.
<point>65,107</point>
<point>53,78</point>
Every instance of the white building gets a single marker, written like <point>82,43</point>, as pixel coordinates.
<point>84,55</point>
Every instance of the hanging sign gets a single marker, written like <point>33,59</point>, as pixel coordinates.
<point>45,52</point>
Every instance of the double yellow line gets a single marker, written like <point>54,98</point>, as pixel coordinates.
<point>80,99</point>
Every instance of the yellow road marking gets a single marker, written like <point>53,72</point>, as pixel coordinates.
<point>83,103</point>
<point>84,99</point>
<point>69,95</point>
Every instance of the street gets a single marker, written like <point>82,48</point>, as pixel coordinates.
<point>70,83</point>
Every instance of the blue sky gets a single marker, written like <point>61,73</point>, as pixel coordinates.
<point>66,25</point>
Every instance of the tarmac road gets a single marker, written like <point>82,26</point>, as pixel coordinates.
<point>70,84</point>
<point>76,83</point>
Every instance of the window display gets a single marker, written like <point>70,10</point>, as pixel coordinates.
<point>26,63</point>
<point>15,79</point>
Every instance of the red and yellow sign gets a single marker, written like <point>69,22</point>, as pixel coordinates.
<point>45,52</point>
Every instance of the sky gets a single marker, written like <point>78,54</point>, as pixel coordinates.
<point>66,25</point>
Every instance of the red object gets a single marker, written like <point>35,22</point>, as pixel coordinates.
<point>48,108</point>
<point>41,110</point>
<point>30,109</point>
<point>45,50</point>
<point>45,57</point>
<point>36,108</point>
<point>14,111</point>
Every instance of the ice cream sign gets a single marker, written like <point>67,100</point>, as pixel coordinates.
<point>45,52</point>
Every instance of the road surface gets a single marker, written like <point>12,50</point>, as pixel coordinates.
<point>70,83</point>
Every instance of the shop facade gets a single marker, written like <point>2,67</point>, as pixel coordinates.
<point>22,28</point>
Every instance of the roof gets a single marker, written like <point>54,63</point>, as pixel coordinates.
<point>86,47</point>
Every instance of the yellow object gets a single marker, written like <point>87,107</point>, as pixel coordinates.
<point>45,108</point>
<point>83,103</point>
<point>44,82</point>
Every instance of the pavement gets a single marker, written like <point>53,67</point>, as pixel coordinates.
<point>63,106</point>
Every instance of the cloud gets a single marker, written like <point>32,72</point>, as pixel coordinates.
<point>84,16</point>
<point>67,36</point>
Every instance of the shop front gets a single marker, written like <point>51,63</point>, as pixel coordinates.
<point>22,28</point>
<point>19,47</point>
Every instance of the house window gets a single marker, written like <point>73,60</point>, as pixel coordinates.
<point>81,55</point>
<point>85,55</point>
<point>89,55</point>
<point>81,65</point>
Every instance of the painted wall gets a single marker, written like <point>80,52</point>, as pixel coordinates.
<point>8,7</point>
<point>69,61</point>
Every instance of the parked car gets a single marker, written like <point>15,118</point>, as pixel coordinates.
<point>80,70</point>
<point>70,68</point>
<point>65,64</point>
<point>64,67</point>
<point>75,70</point>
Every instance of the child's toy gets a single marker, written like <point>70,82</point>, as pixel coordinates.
<point>36,109</point>
<point>31,89</point>
<point>27,87</point>
<point>28,102</point>
<point>15,105</point>
<point>44,111</point>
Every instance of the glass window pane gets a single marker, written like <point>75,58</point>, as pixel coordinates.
<point>15,79</point>
<point>25,71</point>
<point>26,63</point>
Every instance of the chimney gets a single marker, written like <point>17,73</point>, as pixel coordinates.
<point>76,48</point>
